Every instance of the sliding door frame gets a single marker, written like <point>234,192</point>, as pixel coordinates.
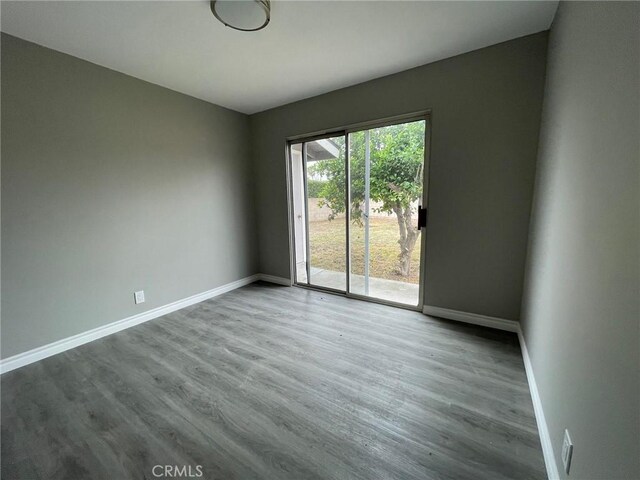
<point>425,116</point>
<point>290,200</point>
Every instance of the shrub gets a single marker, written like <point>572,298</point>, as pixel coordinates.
<point>314,188</point>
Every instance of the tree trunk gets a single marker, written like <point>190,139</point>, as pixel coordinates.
<point>408,236</point>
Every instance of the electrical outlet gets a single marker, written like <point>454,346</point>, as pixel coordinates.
<point>138,297</point>
<point>567,451</point>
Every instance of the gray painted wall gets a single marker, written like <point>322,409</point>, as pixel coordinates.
<point>110,185</point>
<point>486,108</point>
<point>580,314</point>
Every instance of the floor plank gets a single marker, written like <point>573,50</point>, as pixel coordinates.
<point>270,382</point>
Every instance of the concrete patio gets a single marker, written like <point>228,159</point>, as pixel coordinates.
<point>391,290</point>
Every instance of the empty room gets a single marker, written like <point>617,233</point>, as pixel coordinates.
<point>286,240</point>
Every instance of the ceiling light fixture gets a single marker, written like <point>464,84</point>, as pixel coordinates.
<point>243,15</point>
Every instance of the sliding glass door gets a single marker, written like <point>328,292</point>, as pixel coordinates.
<point>318,173</point>
<point>356,202</point>
<point>386,166</point>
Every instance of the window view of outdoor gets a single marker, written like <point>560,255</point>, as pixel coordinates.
<point>386,181</point>
<point>327,236</point>
<point>324,230</point>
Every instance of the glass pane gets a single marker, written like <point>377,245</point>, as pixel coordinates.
<point>386,181</point>
<point>326,200</point>
<point>299,212</point>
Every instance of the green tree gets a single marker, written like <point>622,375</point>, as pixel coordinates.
<point>396,169</point>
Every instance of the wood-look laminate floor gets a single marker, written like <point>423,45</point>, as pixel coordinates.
<point>270,382</point>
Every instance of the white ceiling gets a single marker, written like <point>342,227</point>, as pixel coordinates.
<point>310,47</point>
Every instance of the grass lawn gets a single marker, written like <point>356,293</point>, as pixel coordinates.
<point>327,244</point>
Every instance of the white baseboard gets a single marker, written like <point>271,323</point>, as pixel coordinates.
<point>273,279</point>
<point>543,429</point>
<point>473,318</point>
<point>25,358</point>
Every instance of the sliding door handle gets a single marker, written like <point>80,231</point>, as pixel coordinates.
<point>422,217</point>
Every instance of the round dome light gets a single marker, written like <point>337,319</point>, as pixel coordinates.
<point>244,15</point>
